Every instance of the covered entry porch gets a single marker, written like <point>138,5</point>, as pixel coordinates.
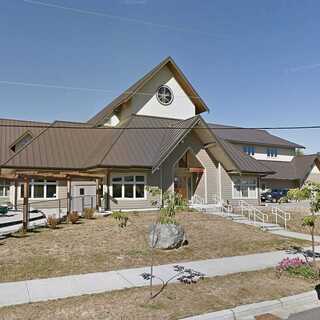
<point>189,177</point>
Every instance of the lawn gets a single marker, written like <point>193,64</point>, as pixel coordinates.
<point>100,245</point>
<point>176,302</point>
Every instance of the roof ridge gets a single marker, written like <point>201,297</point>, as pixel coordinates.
<point>183,134</point>
<point>19,120</point>
<point>115,141</point>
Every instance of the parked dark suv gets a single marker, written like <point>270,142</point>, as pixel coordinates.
<point>274,195</point>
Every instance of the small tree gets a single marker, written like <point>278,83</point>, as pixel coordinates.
<point>182,274</point>
<point>310,191</point>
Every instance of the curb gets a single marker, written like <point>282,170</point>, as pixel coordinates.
<point>297,302</point>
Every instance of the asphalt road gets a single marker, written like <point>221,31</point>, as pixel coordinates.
<point>307,315</point>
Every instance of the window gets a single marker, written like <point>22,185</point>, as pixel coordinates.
<point>164,95</point>
<point>249,150</point>
<point>40,189</point>
<point>4,188</point>
<point>81,191</point>
<point>128,187</point>
<point>245,188</point>
<point>272,152</point>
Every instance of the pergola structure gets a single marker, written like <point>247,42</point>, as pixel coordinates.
<point>17,175</point>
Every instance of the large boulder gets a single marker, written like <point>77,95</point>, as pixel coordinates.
<point>166,236</point>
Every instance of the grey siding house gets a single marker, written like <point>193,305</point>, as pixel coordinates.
<point>152,135</point>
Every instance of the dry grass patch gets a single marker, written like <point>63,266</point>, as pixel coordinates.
<point>100,245</point>
<point>177,301</point>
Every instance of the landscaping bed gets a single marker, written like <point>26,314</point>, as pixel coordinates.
<point>177,301</point>
<point>101,245</point>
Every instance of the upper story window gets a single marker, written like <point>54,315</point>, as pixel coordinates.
<point>249,150</point>
<point>165,95</point>
<point>272,152</point>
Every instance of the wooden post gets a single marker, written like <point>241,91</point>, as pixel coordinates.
<point>26,212</point>
<point>98,194</point>
<point>69,198</point>
<point>16,195</point>
<point>107,205</point>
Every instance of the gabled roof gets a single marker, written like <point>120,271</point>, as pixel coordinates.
<point>131,91</point>
<point>251,136</point>
<point>297,169</point>
<point>244,162</point>
<point>141,141</point>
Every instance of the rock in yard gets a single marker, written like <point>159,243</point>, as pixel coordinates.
<point>166,236</point>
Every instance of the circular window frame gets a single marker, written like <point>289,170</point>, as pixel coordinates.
<point>171,92</point>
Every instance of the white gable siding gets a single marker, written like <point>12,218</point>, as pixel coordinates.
<point>284,154</point>
<point>314,175</point>
<point>144,104</point>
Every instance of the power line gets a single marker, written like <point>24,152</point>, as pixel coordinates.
<point>57,86</point>
<point>116,17</point>
<point>85,126</point>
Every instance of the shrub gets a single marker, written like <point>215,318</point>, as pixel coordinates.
<point>283,200</point>
<point>297,267</point>
<point>73,217</point>
<point>165,218</point>
<point>88,213</point>
<point>52,222</point>
<point>121,217</point>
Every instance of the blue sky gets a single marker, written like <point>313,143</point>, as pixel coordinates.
<point>255,63</point>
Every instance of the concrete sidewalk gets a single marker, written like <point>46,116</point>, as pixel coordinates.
<point>284,308</point>
<point>21,292</point>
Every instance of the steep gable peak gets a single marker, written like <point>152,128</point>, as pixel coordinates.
<point>142,92</point>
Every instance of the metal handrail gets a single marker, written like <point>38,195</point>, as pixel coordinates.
<point>253,211</point>
<point>279,213</point>
<point>196,199</point>
<point>227,208</point>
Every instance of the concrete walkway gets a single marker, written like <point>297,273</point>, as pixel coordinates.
<point>13,293</point>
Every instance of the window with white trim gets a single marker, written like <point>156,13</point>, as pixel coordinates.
<point>4,188</point>
<point>249,150</point>
<point>244,188</point>
<point>272,152</point>
<point>128,187</point>
<point>40,189</point>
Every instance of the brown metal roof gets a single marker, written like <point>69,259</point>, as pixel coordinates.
<point>297,169</point>
<point>11,130</point>
<point>126,95</point>
<point>60,146</point>
<point>251,136</point>
<point>244,162</point>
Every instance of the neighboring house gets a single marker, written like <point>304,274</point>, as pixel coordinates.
<point>152,135</point>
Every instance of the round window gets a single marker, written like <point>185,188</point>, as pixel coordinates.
<point>165,95</point>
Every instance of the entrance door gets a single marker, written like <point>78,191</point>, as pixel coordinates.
<point>180,186</point>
